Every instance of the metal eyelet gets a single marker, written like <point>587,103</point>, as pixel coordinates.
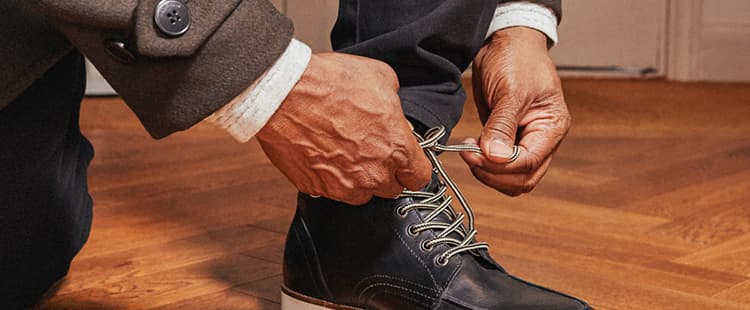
<point>440,261</point>
<point>400,211</point>
<point>423,246</point>
<point>410,231</point>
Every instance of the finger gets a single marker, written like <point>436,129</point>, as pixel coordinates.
<point>472,159</point>
<point>333,184</point>
<point>480,101</point>
<point>499,133</point>
<point>304,182</point>
<point>524,164</point>
<point>512,184</point>
<point>344,190</point>
<point>476,160</point>
<point>390,189</point>
<point>414,171</point>
<point>417,177</point>
<point>539,141</point>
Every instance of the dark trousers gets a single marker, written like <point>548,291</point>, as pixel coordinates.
<point>427,42</point>
<point>45,208</point>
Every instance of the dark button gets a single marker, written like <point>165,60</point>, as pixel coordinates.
<point>118,51</point>
<point>172,17</point>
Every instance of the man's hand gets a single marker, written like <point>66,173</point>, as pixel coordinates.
<point>519,97</point>
<point>341,132</point>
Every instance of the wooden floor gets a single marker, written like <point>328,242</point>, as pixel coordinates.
<point>647,206</point>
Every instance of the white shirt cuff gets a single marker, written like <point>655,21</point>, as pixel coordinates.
<point>526,14</point>
<point>247,113</point>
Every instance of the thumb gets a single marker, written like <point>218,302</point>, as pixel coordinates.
<point>499,134</point>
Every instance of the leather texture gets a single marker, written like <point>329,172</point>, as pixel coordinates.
<point>365,256</point>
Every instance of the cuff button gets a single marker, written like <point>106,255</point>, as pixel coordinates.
<point>118,51</point>
<point>172,17</point>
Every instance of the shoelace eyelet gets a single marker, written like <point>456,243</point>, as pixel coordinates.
<point>441,261</point>
<point>400,211</point>
<point>423,246</point>
<point>410,231</point>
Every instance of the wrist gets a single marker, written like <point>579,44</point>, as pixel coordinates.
<point>525,35</point>
<point>291,105</point>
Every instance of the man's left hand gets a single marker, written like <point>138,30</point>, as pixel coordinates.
<point>520,101</point>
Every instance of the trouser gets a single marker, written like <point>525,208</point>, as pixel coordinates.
<point>45,208</point>
<point>427,42</point>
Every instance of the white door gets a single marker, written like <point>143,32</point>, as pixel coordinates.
<point>709,40</point>
<point>612,35</point>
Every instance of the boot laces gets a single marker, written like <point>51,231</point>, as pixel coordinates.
<point>459,236</point>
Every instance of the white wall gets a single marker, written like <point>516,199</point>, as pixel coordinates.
<point>313,20</point>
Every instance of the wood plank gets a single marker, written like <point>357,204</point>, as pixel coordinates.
<point>224,300</point>
<point>730,256</point>
<point>605,292</point>
<point>102,270</point>
<point>727,190</point>
<point>267,289</point>
<point>690,281</point>
<point>737,293</point>
<point>171,286</point>
<point>645,207</point>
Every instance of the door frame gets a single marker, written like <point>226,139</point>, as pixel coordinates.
<point>683,37</point>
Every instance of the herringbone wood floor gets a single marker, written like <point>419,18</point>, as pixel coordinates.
<point>646,207</point>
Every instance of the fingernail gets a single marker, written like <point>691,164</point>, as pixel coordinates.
<point>499,149</point>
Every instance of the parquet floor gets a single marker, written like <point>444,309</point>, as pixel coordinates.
<point>647,206</point>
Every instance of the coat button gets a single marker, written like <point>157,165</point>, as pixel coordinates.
<point>118,51</point>
<point>172,17</point>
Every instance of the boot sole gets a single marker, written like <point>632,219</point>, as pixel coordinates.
<point>291,300</point>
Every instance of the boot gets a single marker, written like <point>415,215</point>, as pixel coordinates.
<point>413,252</point>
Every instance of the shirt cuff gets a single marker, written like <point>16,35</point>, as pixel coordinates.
<point>247,113</point>
<point>526,14</point>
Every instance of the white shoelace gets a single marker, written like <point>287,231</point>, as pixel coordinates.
<point>439,202</point>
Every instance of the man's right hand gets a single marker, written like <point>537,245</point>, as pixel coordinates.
<point>341,132</point>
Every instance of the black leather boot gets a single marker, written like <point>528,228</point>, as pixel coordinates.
<point>413,252</point>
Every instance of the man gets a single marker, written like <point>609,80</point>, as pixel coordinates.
<point>335,124</point>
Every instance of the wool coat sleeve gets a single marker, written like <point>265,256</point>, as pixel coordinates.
<point>171,81</point>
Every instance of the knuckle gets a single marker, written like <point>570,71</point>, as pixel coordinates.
<point>360,200</point>
<point>379,180</point>
<point>511,192</point>
<point>528,186</point>
<point>567,119</point>
<point>564,123</point>
<point>392,193</point>
<point>307,190</point>
<point>399,154</point>
<point>502,124</point>
<point>531,164</point>
<point>365,185</point>
<point>387,72</point>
